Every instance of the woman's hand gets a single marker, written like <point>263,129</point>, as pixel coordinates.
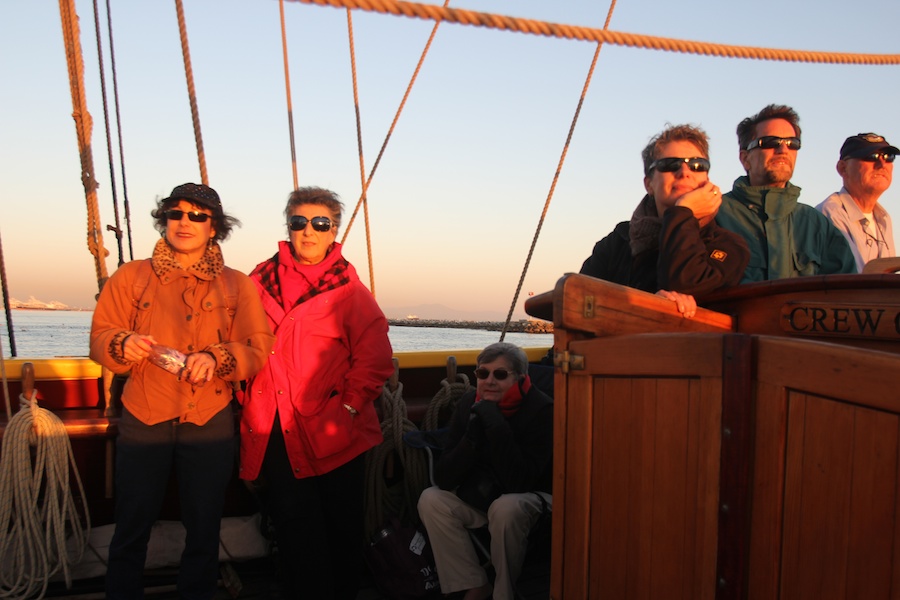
<point>704,201</point>
<point>686,304</point>
<point>199,368</point>
<point>136,347</point>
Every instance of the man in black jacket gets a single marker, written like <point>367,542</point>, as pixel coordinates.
<point>495,471</point>
<point>672,245</point>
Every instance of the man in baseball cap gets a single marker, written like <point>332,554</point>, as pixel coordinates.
<point>866,165</point>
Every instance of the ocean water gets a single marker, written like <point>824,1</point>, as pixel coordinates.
<point>66,333</point>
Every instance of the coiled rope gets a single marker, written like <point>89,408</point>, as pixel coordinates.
<point>589,34</point>
<point>400,498</point>
<point>445,401</point>
<point>37,509</point>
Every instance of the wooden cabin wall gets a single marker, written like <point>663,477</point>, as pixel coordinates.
<point>659,497</point>
<point>825,482</point>
<point>638,458</point>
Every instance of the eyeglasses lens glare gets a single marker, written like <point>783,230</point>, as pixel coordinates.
<point>499,374</point>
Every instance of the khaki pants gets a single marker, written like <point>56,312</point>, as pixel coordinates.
<point>509,519</point>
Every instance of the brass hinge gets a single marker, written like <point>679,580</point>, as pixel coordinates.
<point>567,362</point>
<point>588,307</point>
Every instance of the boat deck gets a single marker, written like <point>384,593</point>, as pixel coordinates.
<point>257,581</point>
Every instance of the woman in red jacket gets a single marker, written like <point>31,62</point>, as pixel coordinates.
<point>309,415</point>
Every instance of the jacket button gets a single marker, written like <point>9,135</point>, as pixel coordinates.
<point>191,347</point>
<point>287,431</point>
<point>189,317</point>
<point>191,405</point>
<point>280,392</point>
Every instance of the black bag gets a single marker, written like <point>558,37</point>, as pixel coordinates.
<point>402,563</point>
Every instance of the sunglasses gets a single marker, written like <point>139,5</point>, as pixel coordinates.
<point>195,216</point>
<point>321,224</point>
<point>770,142</point>
<point>499,374</point>
<point>885,156</point>
<point>672,164</point>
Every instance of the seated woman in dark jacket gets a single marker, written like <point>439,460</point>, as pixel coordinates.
<point>672,245</point>
<point>497,459</point>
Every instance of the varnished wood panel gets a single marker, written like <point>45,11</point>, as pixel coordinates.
<point>825,496</point>
<point>651,503</point>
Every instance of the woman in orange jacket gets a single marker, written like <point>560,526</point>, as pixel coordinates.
<point>185,311</point>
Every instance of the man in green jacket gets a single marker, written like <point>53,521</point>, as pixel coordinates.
<point>786,238</point>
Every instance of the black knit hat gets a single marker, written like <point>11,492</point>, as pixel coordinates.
<point>197,193</point>
<point>865,144</point>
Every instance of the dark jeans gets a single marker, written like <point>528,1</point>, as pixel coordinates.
<point>203,457</point>
<point>318,525</point>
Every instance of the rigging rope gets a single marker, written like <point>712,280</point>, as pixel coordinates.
<point>559,166</point>
<point>117,229</point>
<point>393,124</point>
<point>4,290</point>
<point>362,162</point>
<point>112,59</point>
<point>33,545</point>
<point>287,88</point>
<point>83,127</point>
<point>588,34</point>
<point>192,94</point>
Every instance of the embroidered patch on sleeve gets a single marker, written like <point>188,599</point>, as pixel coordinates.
<point>719,255</point>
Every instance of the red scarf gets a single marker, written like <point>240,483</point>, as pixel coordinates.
<point>512,399</point>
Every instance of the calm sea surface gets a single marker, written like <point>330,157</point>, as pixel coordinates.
<point>65,333</point>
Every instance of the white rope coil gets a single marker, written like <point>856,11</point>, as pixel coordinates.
<point>37,509</point>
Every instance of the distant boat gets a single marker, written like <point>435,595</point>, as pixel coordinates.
<point>412,317</point>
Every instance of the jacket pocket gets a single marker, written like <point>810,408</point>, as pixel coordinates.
<point>331,430</point>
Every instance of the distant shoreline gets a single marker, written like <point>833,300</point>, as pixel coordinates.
<point>523,326</point>
<point>48,309</point>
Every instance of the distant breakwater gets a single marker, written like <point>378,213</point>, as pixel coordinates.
<point>523,326</point>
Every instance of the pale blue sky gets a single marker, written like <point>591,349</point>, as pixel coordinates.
<point>461,187</point>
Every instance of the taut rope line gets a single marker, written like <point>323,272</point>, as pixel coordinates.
<point>559,166</point>
<point>112,61</point>
<point>287,88</point>
<point>362,162</point>
<point>117,229</point>
<point>394,123</point>
<point>588,34</point>
<point>192,93</point>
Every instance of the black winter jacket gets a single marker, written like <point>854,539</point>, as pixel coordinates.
<point>689,259</point>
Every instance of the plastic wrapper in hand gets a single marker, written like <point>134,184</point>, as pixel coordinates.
<point>168,359</point>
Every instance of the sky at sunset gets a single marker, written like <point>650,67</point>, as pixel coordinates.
<point>460,189</point>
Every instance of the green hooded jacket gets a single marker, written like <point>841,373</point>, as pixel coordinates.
<point>786,238</point>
